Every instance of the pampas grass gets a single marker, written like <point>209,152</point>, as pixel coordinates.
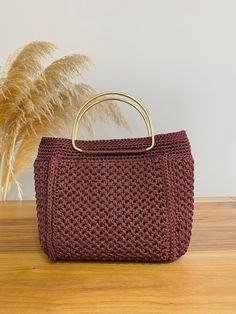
<point>36,101</point>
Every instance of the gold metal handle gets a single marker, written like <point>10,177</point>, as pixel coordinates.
<point>91,102</point>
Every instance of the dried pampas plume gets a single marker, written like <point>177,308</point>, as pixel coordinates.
<point>38,101</point>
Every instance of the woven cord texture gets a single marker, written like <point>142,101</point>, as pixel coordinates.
<point>127,207</point>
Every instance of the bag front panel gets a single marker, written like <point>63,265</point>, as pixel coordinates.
<point>109,209</point>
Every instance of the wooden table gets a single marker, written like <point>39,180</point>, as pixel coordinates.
<point>203,281</point>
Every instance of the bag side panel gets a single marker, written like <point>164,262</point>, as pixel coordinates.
<point>180,177</point>
<point>41,192</point>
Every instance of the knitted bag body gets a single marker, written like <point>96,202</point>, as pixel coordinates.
<point>118,203</point>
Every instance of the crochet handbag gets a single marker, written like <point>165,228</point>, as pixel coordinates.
<point>115,200</point>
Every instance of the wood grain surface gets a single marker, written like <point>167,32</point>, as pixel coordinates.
<point>202,281</point>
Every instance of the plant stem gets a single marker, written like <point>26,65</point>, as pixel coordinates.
<point>6,185</point>
<point>5,191</point>
<point>1,175</point>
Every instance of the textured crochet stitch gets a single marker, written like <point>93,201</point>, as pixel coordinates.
<point>115,207</point>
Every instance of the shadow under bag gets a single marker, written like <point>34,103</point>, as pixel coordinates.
<point>115,200</point>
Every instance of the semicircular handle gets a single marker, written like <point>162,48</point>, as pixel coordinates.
<point>93,101</point>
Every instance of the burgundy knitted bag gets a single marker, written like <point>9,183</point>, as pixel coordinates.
<point>115,200</point>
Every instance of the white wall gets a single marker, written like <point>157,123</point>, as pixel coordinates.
<point>177,56</point>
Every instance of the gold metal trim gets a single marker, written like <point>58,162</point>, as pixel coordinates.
<point>90,103</point>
